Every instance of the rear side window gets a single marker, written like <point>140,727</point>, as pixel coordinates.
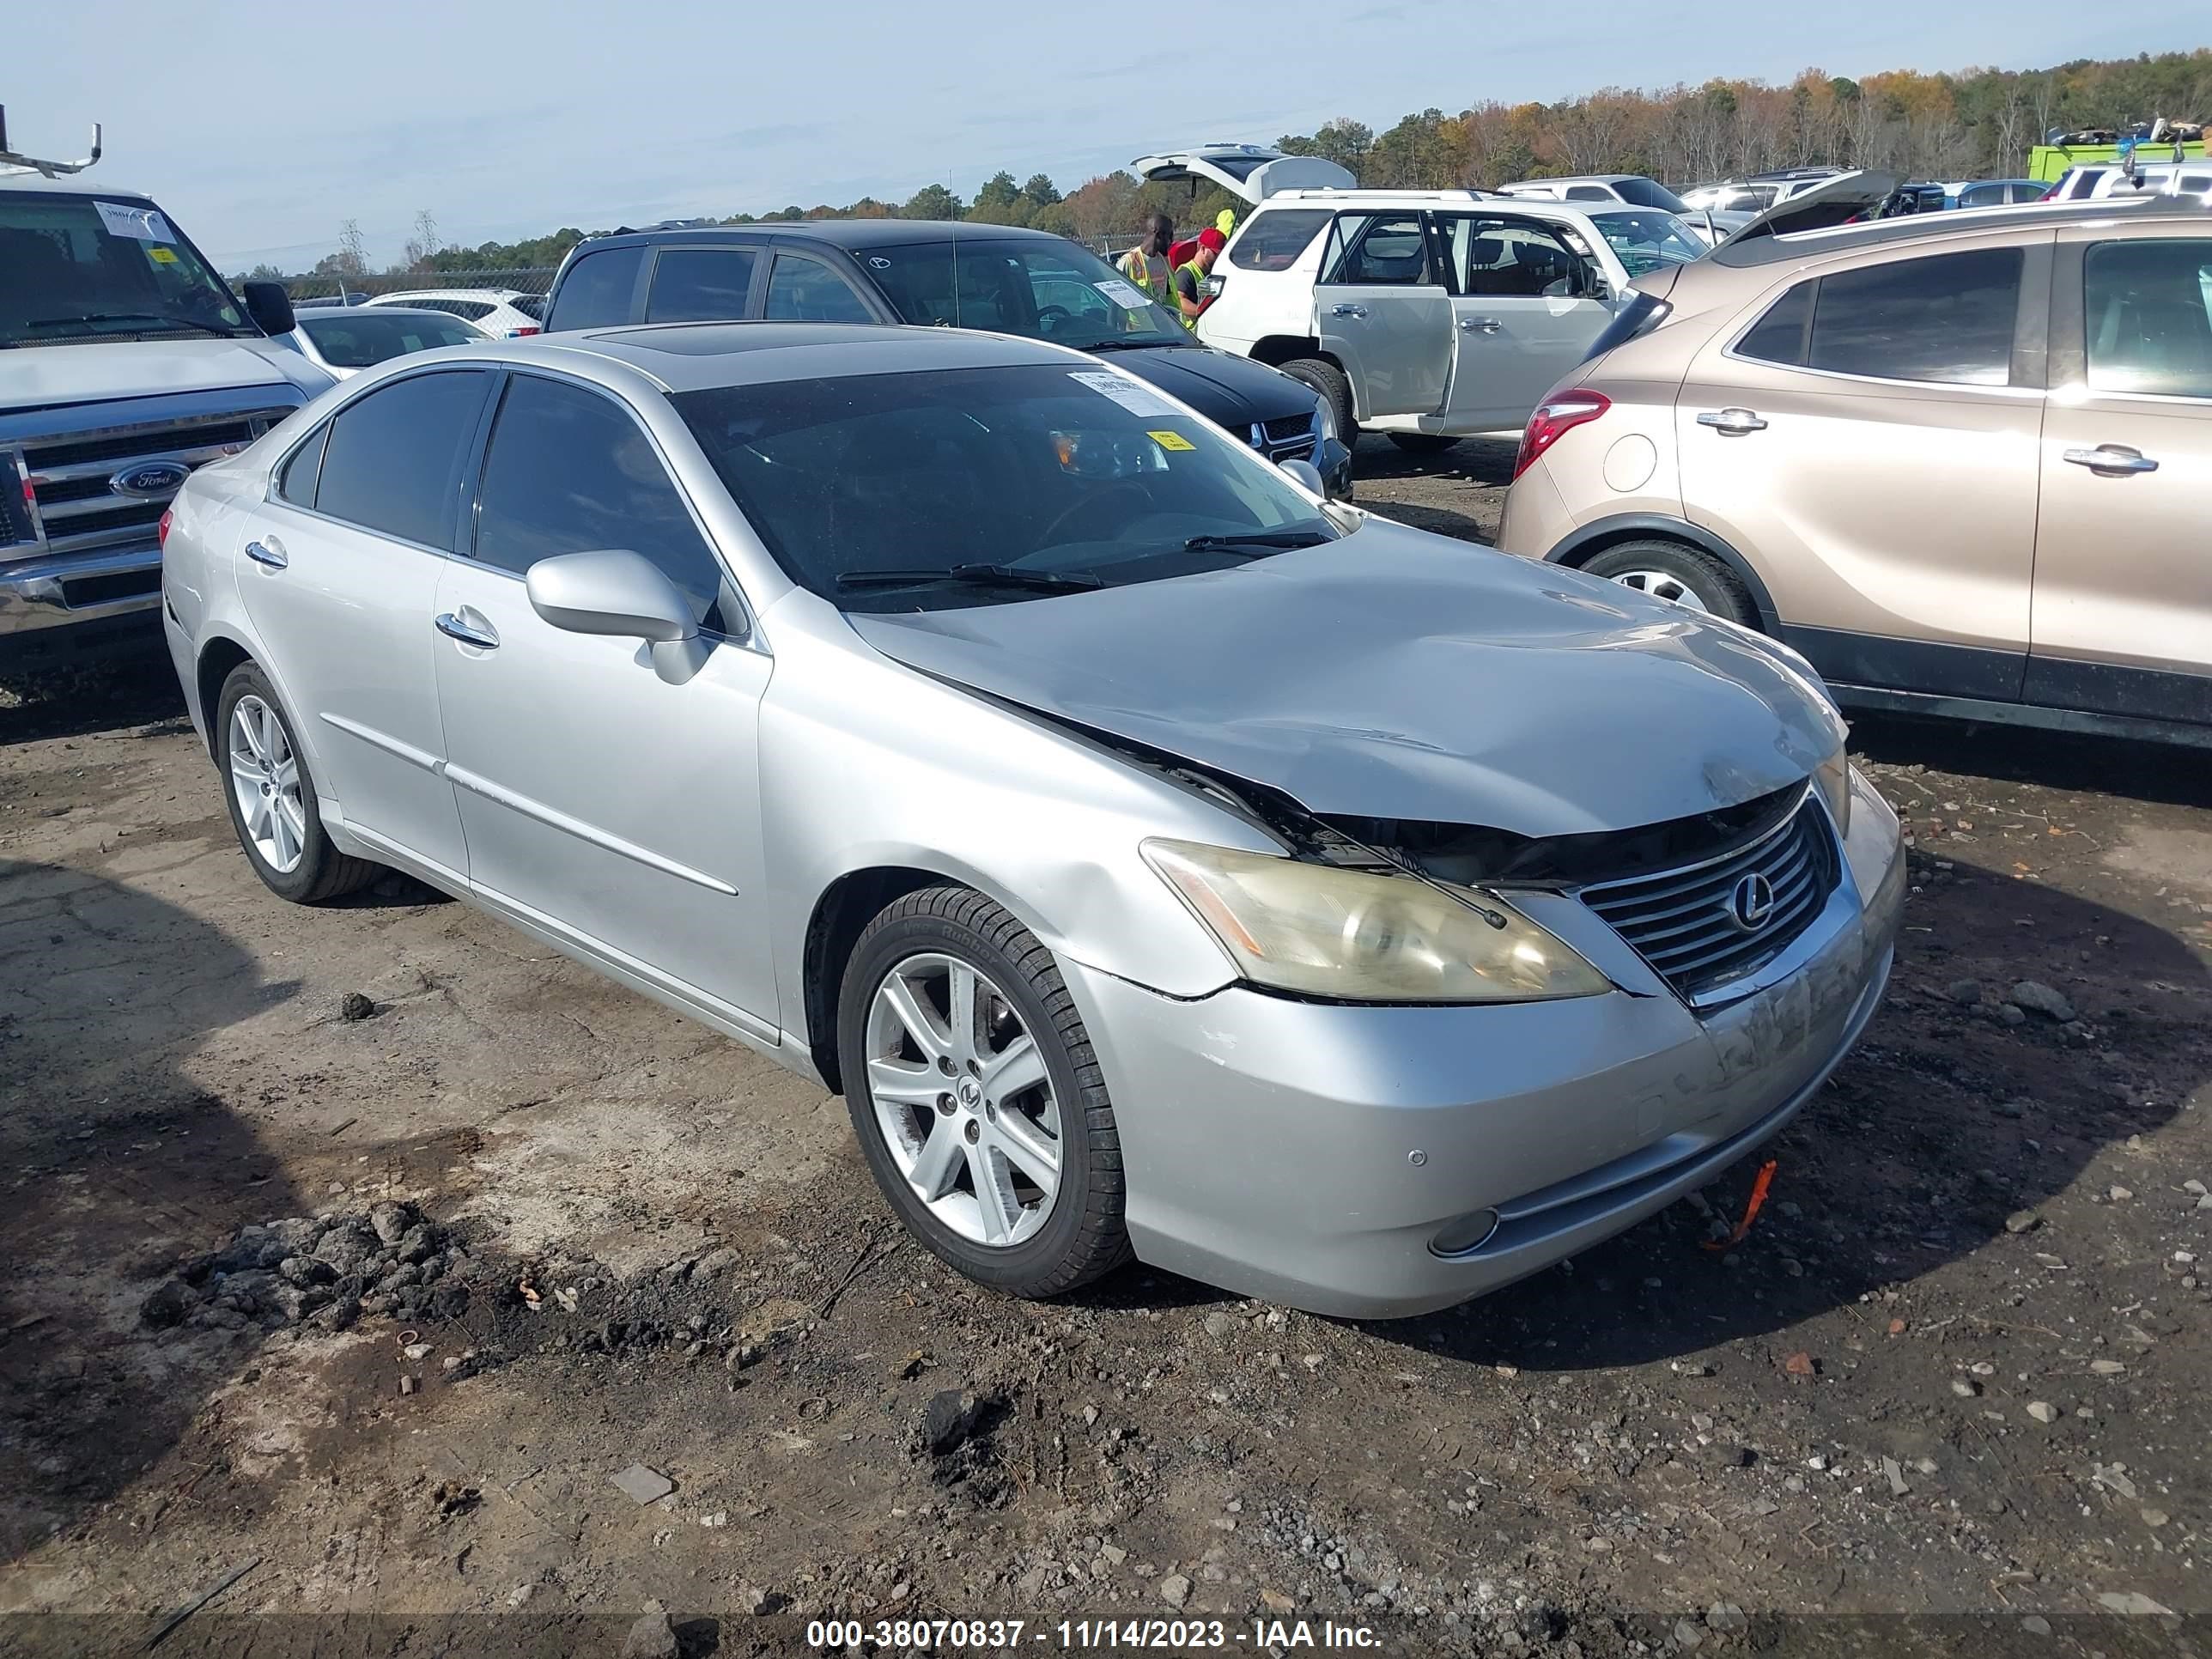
<point>1947,319</point>
<point>1588,193</point>
<point>1393,250</point>
<point>1272,241</point>
<point>701,284</point>
<point>2146,314</point>
<point>596,293</point>
<point>570,472</point>
<point>296,483</point>
<point>393,463</point>
<point>804,290</point>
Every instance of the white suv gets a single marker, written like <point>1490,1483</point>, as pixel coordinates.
<point>1430,315</point>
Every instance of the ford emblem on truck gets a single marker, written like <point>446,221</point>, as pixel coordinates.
<point>150,480</point>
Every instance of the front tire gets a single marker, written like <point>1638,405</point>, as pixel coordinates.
<point>976,1098</point>
<point>1327,379</point>
<point>271,796</point>
<point>1668,570</point>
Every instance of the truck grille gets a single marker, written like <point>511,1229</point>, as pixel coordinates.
<point>1292,438</point>
<point>1719,920</point>
<point>68,461</point>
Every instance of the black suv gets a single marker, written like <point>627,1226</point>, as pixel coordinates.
<point>994,277</point>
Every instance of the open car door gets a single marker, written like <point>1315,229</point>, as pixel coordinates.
<point>1245,170</point>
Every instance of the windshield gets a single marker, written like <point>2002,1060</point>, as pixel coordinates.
<point>1044,290</point>
<point>75,268</point>
<point>1038,470</point>
<point>1646,239</point>
<point>364,335</point>
<point>1645,193</point>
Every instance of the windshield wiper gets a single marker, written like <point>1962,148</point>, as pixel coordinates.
<point>1273,539</point>
<point>974,575</point>
<point>1123,343</point>
<point>217,329</point>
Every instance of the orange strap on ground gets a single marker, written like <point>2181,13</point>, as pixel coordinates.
<point>1750,1211</point>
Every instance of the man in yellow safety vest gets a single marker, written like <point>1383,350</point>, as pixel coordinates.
<point>1191,297</point>
<point>1146,266</point>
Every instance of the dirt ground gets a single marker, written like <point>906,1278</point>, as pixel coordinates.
<point>1948,1395</point>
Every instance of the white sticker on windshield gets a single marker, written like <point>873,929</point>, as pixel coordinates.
<point>139,224</point>
<point>1127,393</point>
<point>1122,294</point>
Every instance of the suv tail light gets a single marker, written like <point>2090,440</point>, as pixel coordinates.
<point>1557,414</point>
<point>517,333</point>
<point>161,529</point>
<point>2051,194</point>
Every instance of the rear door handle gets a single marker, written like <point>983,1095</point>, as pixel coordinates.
<point>269,552</point>
<point>1731,423</point>
<point>1347,311</point>
<point>468,633</point>
<point>1480,325</point>
<point>2112,457</point>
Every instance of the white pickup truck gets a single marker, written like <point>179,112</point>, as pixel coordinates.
<point>126,362</point>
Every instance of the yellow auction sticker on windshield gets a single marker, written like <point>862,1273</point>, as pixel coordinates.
<point>161,256</point>
<point>1170,441</point>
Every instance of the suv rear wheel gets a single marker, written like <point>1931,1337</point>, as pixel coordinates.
<point>1668,570</point>
<point>1326,379</point>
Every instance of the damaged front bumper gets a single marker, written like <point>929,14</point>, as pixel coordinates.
<point>1379,1161</point>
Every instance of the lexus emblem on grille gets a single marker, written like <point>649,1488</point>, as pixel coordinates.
<point>150,480</point>
<point>1751,904</point>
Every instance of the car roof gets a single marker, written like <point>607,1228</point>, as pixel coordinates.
<point>697,356</point>
<point>1935,226</point>
<point>839,233</point>
<point>68,185</point>
<point>493,295</point>
<point>342,313</point>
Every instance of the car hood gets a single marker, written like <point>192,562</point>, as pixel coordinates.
<point>45,377</point>
<point>1397,674</point>
<point>1229,391</point>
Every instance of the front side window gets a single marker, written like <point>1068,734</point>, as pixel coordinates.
<point>1947,318</point>
<point>801,289</point>
<point>1390,250</point>
<point>1509,258</point>
<point>701,284</point>
<point>76,268</point>
<point>393,463</point>
<point>898,492</point>
<point>596,292</point>
<point>362,335</point>
<point>1272,241</point>
<point>2147,317</point>
<point>569,470</point>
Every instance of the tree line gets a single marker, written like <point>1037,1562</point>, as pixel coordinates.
<point>1978,123</point>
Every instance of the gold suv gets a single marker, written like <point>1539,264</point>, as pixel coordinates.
<point>1962,462</point>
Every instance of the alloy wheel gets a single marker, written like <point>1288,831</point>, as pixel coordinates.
<point>1661,585</point>
<point>264,776</point>
<point>963,1099</point>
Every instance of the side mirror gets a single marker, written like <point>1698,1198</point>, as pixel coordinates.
<point>1307,474</point>
<point>270,307</point>
<point>623,594</point>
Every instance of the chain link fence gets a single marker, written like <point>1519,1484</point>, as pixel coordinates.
<point>530,283</point>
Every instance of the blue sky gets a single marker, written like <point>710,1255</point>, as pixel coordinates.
<point>262,128</point>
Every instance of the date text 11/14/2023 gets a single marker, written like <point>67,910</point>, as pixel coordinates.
<point>1090,1635</point>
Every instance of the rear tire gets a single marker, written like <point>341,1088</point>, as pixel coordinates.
<point>1423,443</point>
<point>285,842</point>
<point>1327,379</point>
<point>1062,1108</point>
<point>1668,570</point>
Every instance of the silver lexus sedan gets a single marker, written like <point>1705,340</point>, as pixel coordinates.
<point>1163,861</point>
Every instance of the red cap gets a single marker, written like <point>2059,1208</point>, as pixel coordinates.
<point>1210,237</point>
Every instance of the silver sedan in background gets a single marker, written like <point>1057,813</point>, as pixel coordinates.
<point>346,339</point>
<point>1162,860</point>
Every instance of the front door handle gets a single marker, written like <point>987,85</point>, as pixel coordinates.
<point>1347,311</point>
<point>2114,459</point>
<point>454,628</point>
<point>269,553</point>
<point>1731,423</point>
<point>1480,325</point>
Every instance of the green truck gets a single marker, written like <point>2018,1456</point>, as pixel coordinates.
<point>2175,141</point>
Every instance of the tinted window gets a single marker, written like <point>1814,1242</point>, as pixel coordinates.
<point>917,280</point>
<point>1948,318</point>
<point>1588,193</point>
<point>2148,317</point>
<point>75,267</point>
<point>570,472</point>
<point>701,284</point>
<point>596,292</point>
<point>804,290</point>
<point>297,483</point>
<point>1046,468</point>
<point>1272,241</point>
<point>357,338</point>
<point>394,457</point>
<point>1508,257</point>
<point>1779,336</point>
<point>1645,193</point>
<point>1393,250</point>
